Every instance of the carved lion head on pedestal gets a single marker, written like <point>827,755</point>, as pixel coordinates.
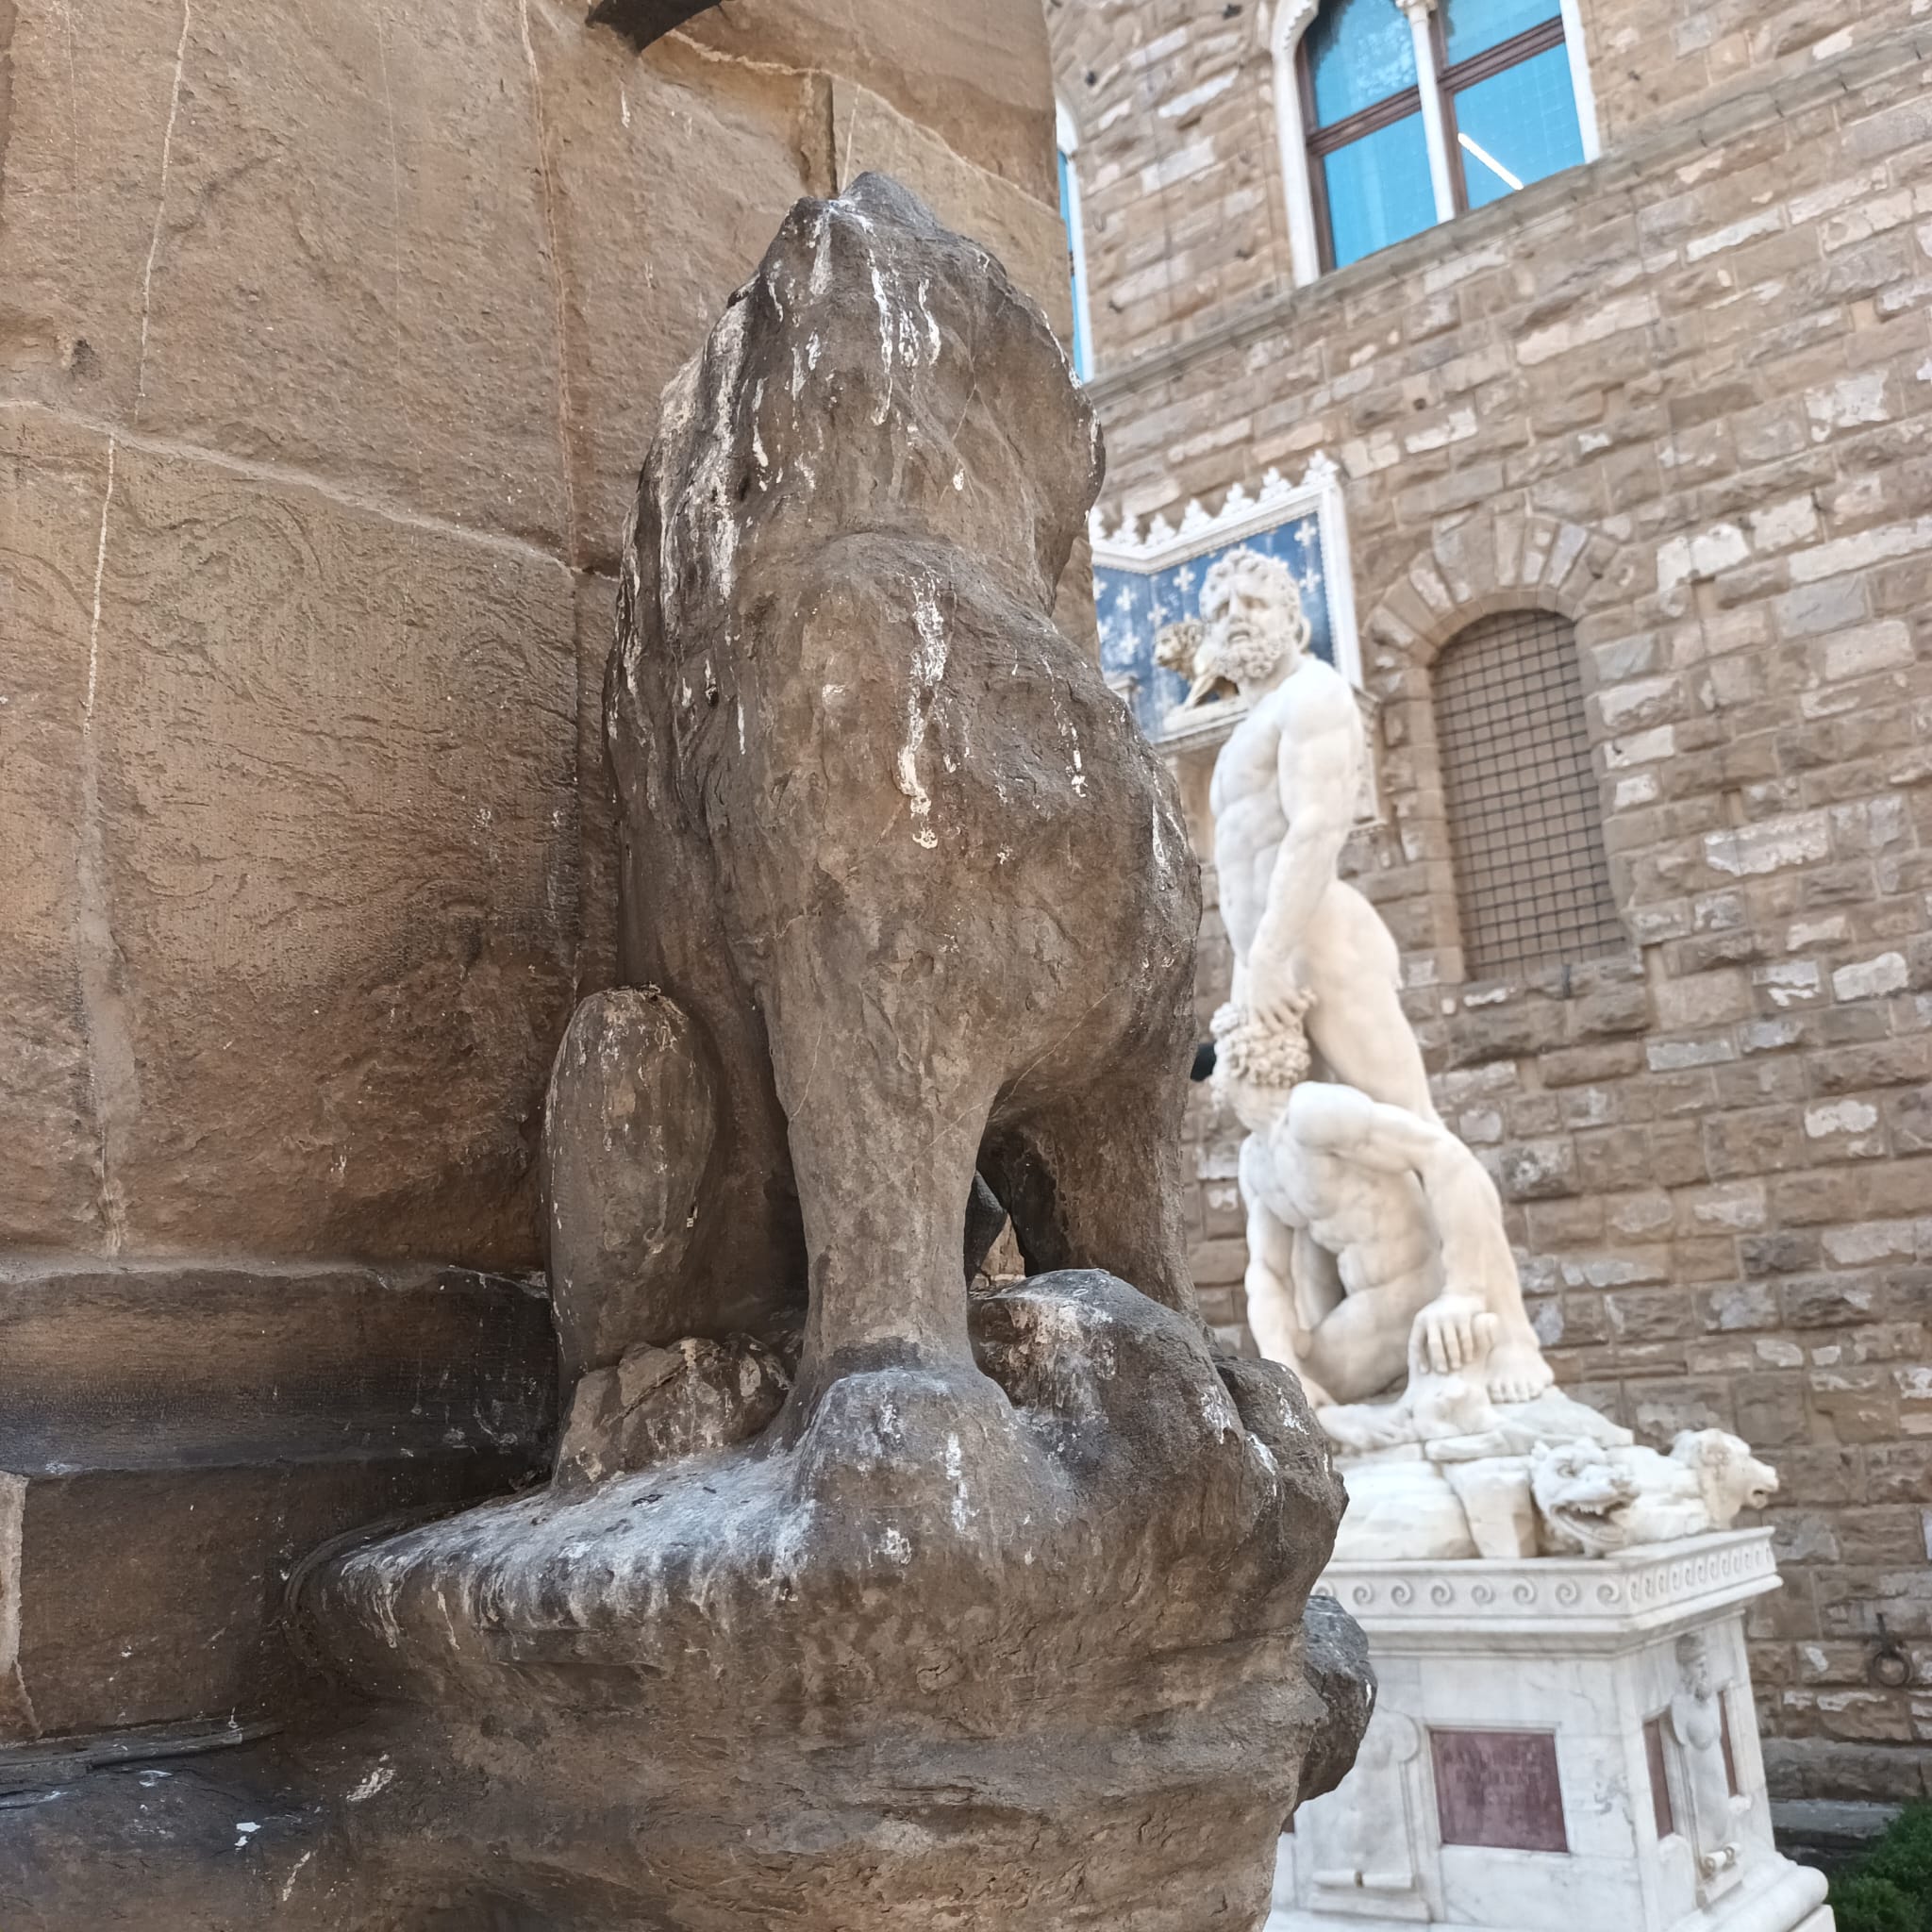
<point>1729,1478</point>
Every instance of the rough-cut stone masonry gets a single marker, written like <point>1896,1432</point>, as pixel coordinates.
<point>1682,396</point>
<point>330,342</point>
<point>1180,171</point>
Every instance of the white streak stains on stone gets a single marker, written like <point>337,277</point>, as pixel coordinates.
<point>1219,1413</point>
<point>741,727</point>
<point>758,440</point>
<point>962,1511</point>
<point>928,668</point>
<point>1075,774</point>
<point>114,1074</point>
<point>295,1872</point>
<point>820,258</point>
<point>886,348</point>
<point>379,1779</point>
<point>933,339</point>
<point>702,445</point>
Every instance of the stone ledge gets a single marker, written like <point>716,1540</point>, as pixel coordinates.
<point>177,1436</point>
<point>1535,1603</point>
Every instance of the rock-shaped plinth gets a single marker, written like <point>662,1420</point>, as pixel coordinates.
<point>1025,1651</point>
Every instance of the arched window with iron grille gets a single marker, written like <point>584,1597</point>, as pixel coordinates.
<point>1520,790</point>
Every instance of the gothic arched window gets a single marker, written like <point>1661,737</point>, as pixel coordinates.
<point>1520,792</point>
<point>1399,113</point>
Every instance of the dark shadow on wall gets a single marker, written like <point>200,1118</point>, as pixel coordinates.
<point>644,20</point>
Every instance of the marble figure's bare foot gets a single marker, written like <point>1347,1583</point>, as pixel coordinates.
<point>1363,1425</point>
<point>1517,1371</point>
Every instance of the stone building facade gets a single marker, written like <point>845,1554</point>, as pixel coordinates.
<point>331,340</point>
<point>1677,398</point>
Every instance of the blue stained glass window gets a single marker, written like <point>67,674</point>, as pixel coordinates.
<point>1469,26</point>
<point>1083,350</point>
<point>1517,127</point>
<point>1379,189</point>
<point>1359,52</point>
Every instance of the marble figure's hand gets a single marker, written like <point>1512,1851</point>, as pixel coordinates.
<point>1286,1010</point>
<point>1455,1333</point>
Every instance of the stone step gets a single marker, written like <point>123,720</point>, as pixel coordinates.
<point>174,1437</point>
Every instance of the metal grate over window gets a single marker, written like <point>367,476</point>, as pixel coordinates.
<point>1526,826</point>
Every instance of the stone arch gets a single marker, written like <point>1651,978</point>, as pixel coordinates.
<point>1497,559</point>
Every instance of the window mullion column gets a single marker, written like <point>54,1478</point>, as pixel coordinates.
<point>1428,84</point>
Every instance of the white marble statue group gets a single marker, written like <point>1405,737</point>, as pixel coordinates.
<point>1379,1268</point>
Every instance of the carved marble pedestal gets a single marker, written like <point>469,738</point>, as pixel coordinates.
<point>1556,1744</point>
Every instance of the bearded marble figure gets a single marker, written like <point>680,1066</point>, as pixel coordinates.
<point>1379,1266</point>
<point>1363,1219</point>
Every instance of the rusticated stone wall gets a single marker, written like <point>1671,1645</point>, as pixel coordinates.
<point>331,335</point>
<point>1179,159</point>
<point>330,340</point>
<point>1682,397</point>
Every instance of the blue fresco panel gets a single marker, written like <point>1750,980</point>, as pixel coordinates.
<point>1134,607</point>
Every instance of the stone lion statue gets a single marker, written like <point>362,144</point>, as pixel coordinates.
<point>1595,1499</point>
<point>919,889</point>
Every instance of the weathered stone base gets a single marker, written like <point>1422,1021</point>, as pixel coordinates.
<point>1023,1648</point>
<point>1015,1645</point>
<point>1507,1780</point>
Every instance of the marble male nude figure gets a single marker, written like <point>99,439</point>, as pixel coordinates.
<point>1284,799</point>
<point>1410,1219</point>
<point>1366,1216</point>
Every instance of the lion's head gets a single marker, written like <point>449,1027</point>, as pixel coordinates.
<point>1729,1478</point>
